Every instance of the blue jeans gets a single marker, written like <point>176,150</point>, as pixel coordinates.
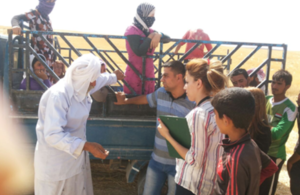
<point>156,176</point>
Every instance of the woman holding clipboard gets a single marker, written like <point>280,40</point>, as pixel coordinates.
<point>196,172</point>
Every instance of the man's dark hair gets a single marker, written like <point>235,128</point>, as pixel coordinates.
<point>176,66</point>
<point>284,75</point>
<point>240,71</point>
<point>236,103</point>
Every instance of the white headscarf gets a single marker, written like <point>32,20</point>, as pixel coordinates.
<point>80,74</point>
<point>31,58</point>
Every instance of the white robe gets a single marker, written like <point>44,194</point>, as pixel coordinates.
<point>61,135</point>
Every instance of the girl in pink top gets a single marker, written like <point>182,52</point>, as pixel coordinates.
<point>136,48</point>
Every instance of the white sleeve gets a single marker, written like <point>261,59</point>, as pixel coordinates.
<point>54,123</point>
<point>103,80</point>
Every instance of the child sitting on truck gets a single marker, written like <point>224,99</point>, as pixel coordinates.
<point>59,69</point>
<point>40,71</point>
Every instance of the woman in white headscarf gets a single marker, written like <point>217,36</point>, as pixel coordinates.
<point>61,158</point>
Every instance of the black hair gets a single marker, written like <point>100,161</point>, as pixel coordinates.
<point>35,60</point>
<point>240,71</point>
<point>176,66</point>
<point>236,103</point>
<point>284,75</point>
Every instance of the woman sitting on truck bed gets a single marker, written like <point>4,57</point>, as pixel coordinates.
<point>38,20</point>
<point>40,71</point>
<point>136,48</point>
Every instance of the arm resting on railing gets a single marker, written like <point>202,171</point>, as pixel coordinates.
<point>15,23</point>
<point>140,49</point>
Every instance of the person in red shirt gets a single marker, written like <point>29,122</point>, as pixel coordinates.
<point>198,52</point>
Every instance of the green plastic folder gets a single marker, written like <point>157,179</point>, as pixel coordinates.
<point>179,130</point>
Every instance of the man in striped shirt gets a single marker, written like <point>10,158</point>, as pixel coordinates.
<point>168,100</point>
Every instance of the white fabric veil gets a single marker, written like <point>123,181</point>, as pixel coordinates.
<point>80,74</point>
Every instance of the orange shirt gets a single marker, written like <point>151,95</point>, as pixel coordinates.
<point>196,35</point>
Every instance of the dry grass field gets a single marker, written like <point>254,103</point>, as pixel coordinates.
<point>292,65</point>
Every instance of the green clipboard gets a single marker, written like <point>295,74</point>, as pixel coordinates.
<point>179,130</point>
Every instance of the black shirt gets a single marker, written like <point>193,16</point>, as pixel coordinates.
<point>239,170</point>
<point>263,139</point>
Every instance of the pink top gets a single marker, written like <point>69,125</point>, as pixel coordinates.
<point>131,78</point>
<point>196,35</point>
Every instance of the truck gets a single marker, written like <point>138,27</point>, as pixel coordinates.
<point>127,131</point>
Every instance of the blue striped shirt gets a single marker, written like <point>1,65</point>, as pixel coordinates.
<point>166,105</point>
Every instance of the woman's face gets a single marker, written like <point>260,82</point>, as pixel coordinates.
<point>38,66</point>
<point>190,86</point>
<point>58,69</point>
<point>152,13</point>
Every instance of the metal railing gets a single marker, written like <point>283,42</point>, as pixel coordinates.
<point>162,56</point>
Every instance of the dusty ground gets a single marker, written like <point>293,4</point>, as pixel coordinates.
<point>108,182</point>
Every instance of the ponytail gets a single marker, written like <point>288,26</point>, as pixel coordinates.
<point>210,73</point>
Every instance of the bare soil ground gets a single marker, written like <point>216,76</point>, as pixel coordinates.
<point>110,182</point>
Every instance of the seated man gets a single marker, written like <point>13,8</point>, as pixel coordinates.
<point>40,71</point>
<point>239,78</point>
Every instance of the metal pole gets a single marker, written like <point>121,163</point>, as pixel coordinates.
<point>27,64</point>
<point>268,69</point>
<point>144,74</point>
<point>231,53</point>
<point>284,56</point>
<point>190,51</point>
<point>159,65</point>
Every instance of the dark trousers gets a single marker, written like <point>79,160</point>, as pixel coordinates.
<point>295,178</point>
<point>268,187</point>
<point>182,191</point>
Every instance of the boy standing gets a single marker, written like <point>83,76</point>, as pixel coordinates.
<point>243,166</point>
<point>281,114</point>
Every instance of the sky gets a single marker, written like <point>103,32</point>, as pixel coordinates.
<point>266,21</point>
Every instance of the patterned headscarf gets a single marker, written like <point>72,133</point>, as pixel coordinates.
<point>45,7</point>
<point>141,20</point>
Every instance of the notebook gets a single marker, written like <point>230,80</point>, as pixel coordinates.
<point>179,130</point>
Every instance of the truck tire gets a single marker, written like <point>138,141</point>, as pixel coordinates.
<point>141,183</point>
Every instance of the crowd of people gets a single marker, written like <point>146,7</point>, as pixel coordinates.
<point>238,134</point>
